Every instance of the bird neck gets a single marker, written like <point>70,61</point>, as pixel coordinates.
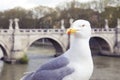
<point>75,43</point>
<point>80,47</point>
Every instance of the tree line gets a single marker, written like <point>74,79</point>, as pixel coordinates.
<point>45,17</point>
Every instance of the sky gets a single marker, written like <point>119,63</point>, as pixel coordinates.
<point>27,4</point>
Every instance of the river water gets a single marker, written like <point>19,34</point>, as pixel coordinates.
<point>105,68</point>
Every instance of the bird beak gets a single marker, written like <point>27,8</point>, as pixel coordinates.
<point>71,31</point>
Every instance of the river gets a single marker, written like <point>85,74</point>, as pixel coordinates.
<point>105,68</point>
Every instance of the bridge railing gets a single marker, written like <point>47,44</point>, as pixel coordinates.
<point>33,31</point>
<point>102,30</point>
<point>41,30</point>
<point>6,31</point>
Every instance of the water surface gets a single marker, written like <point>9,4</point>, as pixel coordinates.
<point>105,68</point>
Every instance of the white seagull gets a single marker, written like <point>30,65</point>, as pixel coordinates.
<point>74,64</point>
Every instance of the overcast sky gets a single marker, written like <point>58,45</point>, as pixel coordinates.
<point>9,4</point>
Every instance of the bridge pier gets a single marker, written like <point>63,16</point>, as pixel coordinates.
<point>117,39</point>
<point>16,51</point>
<point>17,54</point>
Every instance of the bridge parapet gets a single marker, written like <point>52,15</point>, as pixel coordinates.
<point>48,31</point>
<point>103,30</point>
<point>43,31</point>
<point>6,31</point>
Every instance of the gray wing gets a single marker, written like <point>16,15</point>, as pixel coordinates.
<point>58,62</point>
<point>53,70</point>
<point>57,74</point>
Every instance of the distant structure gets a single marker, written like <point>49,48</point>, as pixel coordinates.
<point>16,23</point>
<point>62,24</point>
<point>10,24</point>
<point>106,25</point>
<point>71,20</point>
<point>15,42</point>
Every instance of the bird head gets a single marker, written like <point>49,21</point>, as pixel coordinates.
<point>80,28</point>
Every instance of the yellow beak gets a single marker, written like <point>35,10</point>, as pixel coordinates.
<point>71,31</point>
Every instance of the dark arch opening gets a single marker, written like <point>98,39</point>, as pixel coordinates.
<point>42,50</point>
<point>3,51</point>
<point>99,46</point>
<point>48,42</point>
<point>57,47</point>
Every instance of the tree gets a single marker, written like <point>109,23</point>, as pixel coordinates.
<point>41,11</point>
<point>112,14</point>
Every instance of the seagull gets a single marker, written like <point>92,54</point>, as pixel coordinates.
<point>75,64</point>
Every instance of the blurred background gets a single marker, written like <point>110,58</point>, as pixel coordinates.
<point>48,14</point>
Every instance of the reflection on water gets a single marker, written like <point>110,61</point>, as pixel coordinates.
<point>12,72</point>
<point>106,68</point>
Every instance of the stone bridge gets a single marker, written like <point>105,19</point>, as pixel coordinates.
<point>14,43</point>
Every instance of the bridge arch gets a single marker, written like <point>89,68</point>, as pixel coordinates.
<point>4,50</point>
<point>100,45</point>
<point>59,47</point>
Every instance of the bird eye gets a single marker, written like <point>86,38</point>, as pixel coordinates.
<point>83,25</point>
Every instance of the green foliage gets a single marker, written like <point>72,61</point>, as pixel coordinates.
<point>23,60</point>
